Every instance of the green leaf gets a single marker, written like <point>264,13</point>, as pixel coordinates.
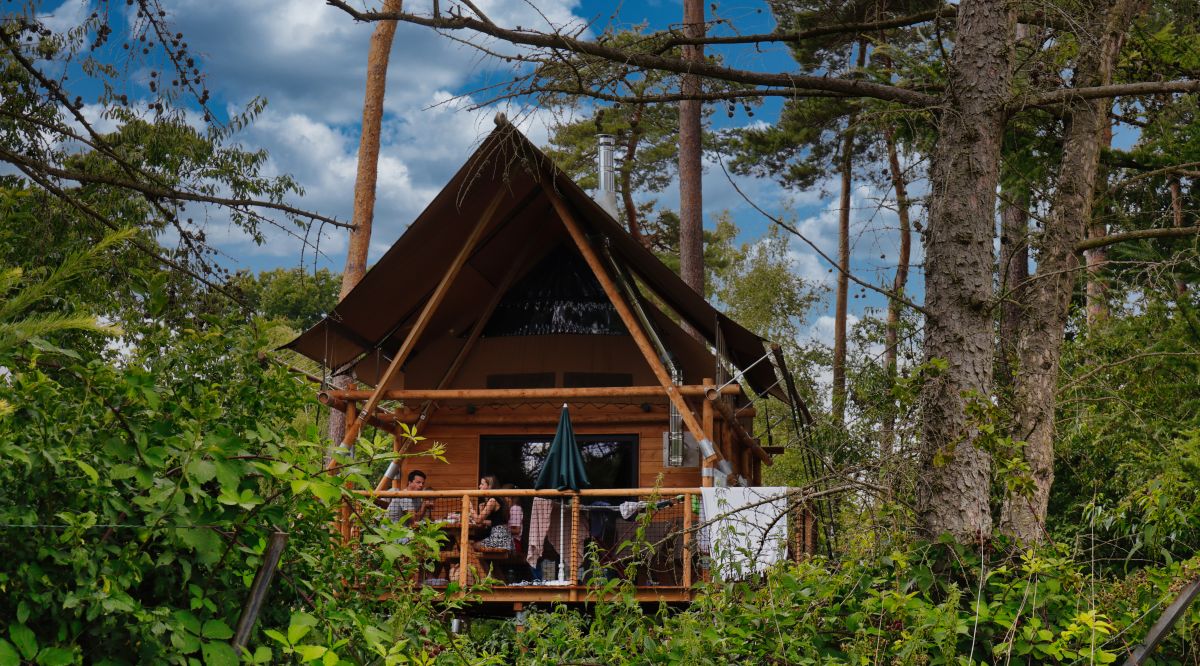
<point>204,541</point>
<point>326,492</point>
<point>216,629</point>
<point>8,654</point>
<point>300,625</point>
<point>22,612</point>
<point>219,654</point>
<point>89,470</point>
<point>330,659</point>
<point>311,652</point>
<point>55,656</point>
<point>24,639</point>
<point>201,471</point>
<point>296,632</point>
<point>188,621</point>
<point>185,641</point>
<point>276,636</point>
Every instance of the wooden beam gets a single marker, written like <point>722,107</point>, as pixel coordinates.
<point>740,432</point>
<point>707,422</point>
<point>526,394</point>
<point>627,316</point>
<point>502,288</point>
<point>527,492</point>
<point>687,539</point>
<point>435,300</point>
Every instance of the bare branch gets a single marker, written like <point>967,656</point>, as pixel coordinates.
<point>1140,234</point>
<point>796,232</point>
<point>1117,90</point>
<point>561,42</point>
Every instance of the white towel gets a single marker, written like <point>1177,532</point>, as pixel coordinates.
<point>746,529</point>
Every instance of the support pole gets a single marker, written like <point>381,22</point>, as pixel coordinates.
<point>464,541</point>
<point>706,416</point>
<point>258,590</point>
<point>431,306</point>
<point>627,316</point>
<point>687,540</point>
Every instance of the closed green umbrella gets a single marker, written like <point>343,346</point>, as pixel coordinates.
<point>563,470</point>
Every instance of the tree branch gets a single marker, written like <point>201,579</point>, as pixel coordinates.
<point>159,192</point>
<point>558,41</point>
<point>796,232</point>
<point>1117,90</point>
<point>1140,234</point>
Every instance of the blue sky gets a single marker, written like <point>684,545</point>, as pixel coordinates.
<point>308,60</point>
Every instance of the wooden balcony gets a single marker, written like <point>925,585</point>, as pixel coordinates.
<point>648,536</point>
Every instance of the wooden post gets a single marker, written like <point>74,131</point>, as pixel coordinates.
<point>622,308</point>
<point>574,547</point>
<point>706,417</point>
<point>484,315</point>
<point>464,541</point>
<point>687,540</point>
<point>258,590</point>
<point>435,299</point>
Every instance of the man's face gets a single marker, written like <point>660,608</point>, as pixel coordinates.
<point>418,483</point>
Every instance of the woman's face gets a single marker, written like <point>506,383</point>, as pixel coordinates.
<point>483,484</point>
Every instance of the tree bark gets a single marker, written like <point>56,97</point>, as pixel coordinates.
<point>843,281</point>
<point>378,54</point>
<point>631,146</point>
<point>691,205</point>
<point>1014,271</point>
<point>899,284</point>
<point>1049,295</point>
<point>1097,291</point>
<point>954,482</point>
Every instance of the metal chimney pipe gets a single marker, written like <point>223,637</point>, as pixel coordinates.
<point>606,194</point>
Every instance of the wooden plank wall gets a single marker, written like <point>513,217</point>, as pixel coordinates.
<point>461,469</point>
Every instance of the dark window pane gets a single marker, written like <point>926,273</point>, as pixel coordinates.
<point>594,379</point>
<point>610,460</point>
<point>521,380</point>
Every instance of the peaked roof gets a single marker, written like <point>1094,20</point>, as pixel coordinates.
<point>374,318</point>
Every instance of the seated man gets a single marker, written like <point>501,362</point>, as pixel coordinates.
<point>415,508</point>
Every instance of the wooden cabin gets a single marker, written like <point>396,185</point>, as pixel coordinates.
<point>515,293</point>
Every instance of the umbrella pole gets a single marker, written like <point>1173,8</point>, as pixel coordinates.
<point>562,559</point>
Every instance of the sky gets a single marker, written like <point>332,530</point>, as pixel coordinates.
<point>308,61</point>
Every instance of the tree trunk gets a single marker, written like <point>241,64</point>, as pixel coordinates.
<point>843,277</point>
<point>953,485</point>
<point>631,146</point>
<point>1177,222</point>
<point>1014,271</point>
<point>378,54</point>
<point>899,284</point>
<point>691,205</point>
<point>1049,294</point>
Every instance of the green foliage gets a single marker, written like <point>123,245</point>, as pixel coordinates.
<point>293,297</point>
<point>19,323</point>
<point>924,604</point>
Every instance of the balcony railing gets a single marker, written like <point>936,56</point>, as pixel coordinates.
<point>565,541</point>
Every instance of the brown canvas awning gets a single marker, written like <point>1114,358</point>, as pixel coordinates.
<point>367,326</point>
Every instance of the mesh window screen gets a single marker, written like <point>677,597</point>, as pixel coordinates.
<point>558,296</point>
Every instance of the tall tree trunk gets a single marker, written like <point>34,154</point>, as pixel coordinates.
<point>954,482</point>
<point>1049,294</point>
<point>843,279</point>
<point>691,205</point>
<point>378,53</point>
<point>899,284</point>
<point>1097,291</point>
<point>631,146</point>
<point>1014,271</point>
<point>1177,222</point>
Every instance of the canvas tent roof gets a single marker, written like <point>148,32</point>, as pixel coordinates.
<point>368,325</point>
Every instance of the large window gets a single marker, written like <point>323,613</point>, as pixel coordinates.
<point>611,460</point>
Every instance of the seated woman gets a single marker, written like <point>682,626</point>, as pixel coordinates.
<point>492,512</point>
